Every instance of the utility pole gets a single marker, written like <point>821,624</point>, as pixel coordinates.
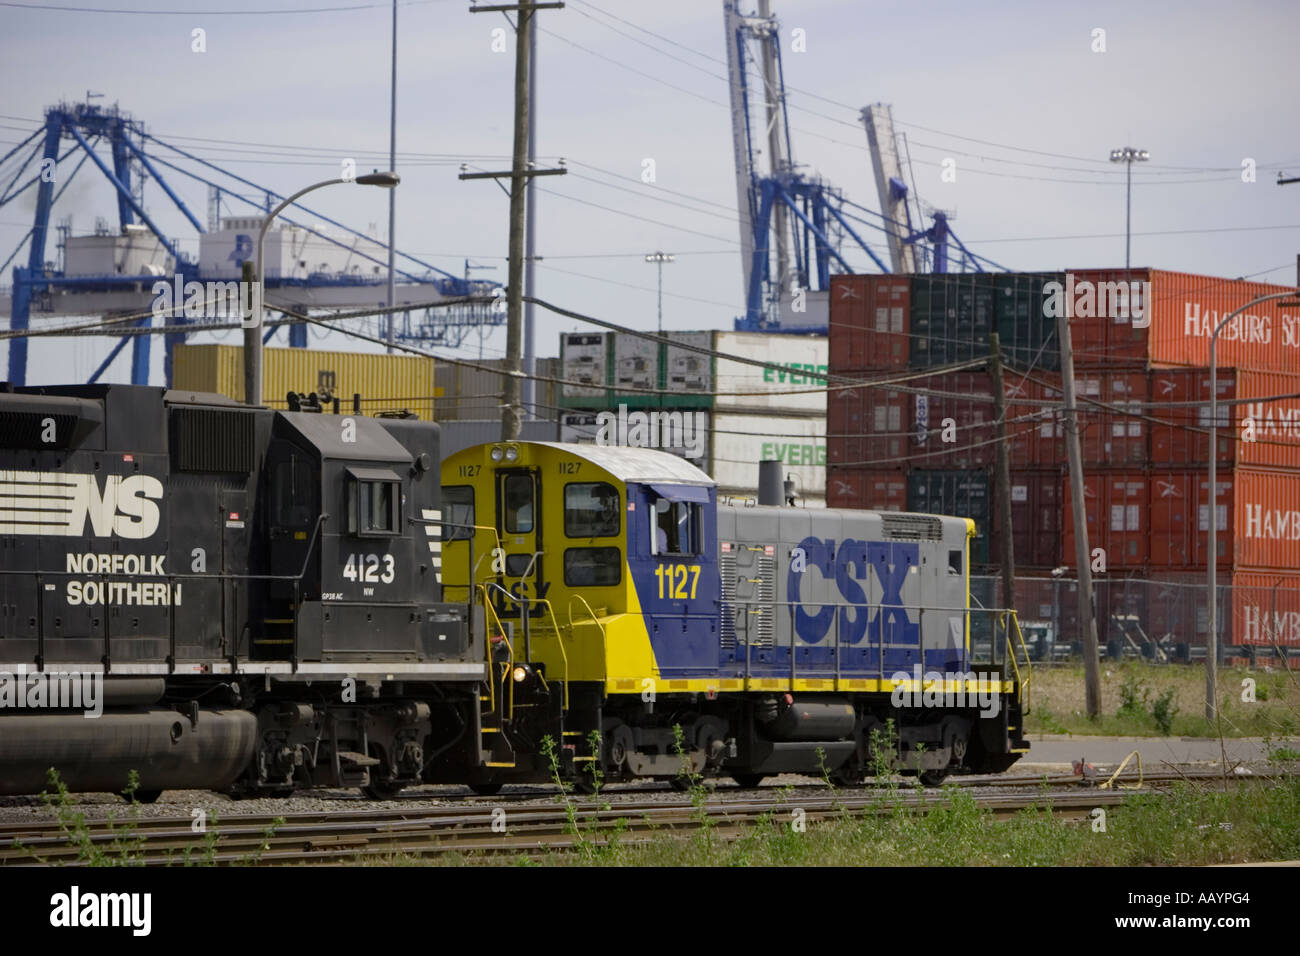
<point>392,196</point>
<point>519,175</point>
<point>1007,555</point>
<point>530,241</point>
<point>1087,622</point>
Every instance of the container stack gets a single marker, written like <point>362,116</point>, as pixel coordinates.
<point>748,413</point>
<point>1146,483</point>
<point>899,438</point>
<point>1145,356</point>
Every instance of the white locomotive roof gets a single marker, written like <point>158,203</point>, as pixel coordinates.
<point>635,464</point>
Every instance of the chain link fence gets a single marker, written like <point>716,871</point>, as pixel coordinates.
<point>1159,618</point>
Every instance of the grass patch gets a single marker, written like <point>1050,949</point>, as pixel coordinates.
<point>1140,699</point>
<point>1191,826</point>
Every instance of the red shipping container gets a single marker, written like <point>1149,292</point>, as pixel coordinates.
<point>1116,505</point>
<point>867,426</point>
<point>1180,522</point>
<point>1035,520</point>
<point>1175,325</point>
<point>870,320</point>
<point>1108,437</point>
<point>1037,434</point>
<point>866,488</point>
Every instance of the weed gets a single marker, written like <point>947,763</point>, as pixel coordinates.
<point>1164,710</point>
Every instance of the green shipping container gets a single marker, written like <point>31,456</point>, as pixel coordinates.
<point>960,492</point>
<point>952,316</point>
<point>1028,337</point>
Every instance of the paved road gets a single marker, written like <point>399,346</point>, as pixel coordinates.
<point>1058,751</point>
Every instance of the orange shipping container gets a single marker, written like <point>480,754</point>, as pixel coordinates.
<point>1263,434</point>
<point>1175,326</point>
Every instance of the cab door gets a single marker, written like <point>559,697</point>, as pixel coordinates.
<point>519,525</point>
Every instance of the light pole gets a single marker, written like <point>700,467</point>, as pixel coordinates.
<point>660,258</point>
<point>1212,558</point>
<point>1128,155</point>
<point>253,324</point>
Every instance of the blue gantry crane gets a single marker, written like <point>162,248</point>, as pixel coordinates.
<point>114,273</point>
<point>796,229</point>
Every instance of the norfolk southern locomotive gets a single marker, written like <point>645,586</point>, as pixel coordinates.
<point>276,600</point>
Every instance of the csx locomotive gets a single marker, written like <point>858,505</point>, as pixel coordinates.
<point>269,600</point>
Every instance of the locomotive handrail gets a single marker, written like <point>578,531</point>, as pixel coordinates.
<point>560,640</point>
<point>510,650</point>
<point>1022,681</point>
<point>594,619</point>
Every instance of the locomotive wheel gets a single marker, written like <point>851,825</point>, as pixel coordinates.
<point>747,780</point>
<point>933,778</point>
<point>486,789</point>
<point>144,796</point>
<point>680,784</point>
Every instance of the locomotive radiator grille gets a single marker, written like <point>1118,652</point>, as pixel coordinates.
<point>727,571</point>
<point>763,621</point>
<point>910,527</point>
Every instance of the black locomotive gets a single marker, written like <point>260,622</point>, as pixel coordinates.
<point>223,597</point>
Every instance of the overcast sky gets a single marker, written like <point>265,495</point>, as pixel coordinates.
<point>1013,92</point>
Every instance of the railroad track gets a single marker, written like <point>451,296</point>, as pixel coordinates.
<point>490,826</point>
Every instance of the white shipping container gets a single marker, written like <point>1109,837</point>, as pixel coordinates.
<point>794,387</point>
<point>690,371</point>
<point>636,363</point>
<point>582,359</point>
<point>740,442</point>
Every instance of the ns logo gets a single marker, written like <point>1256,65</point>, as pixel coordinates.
<point>849,567</point>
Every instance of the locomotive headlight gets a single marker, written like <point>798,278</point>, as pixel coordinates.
<point>512,453</point>
<point>519,674</point>
<point>497,453</point>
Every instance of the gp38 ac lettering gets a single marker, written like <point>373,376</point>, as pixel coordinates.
<point>890,560</point>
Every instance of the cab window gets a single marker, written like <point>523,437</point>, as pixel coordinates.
<point>458,512</point>
<point>519,504</point>
<point>592,567</point>
<point>374,503</point>
<point>675,527</point>
<point>591,510</point>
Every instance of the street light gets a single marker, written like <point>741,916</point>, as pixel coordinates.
<point>1212,558</point>
<point>1128,155</point>
<point>660,258</point>
<point>253,325</point>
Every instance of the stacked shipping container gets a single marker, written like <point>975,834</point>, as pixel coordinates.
<point>933,437</point>
<point>1141,347</point>
<point>748,412</point>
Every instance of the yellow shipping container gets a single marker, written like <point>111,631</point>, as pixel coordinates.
<point>384,382</point>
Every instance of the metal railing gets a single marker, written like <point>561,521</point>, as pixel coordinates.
<point>171,580</point>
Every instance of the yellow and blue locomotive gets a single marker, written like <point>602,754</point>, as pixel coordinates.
<point>654,631</point>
